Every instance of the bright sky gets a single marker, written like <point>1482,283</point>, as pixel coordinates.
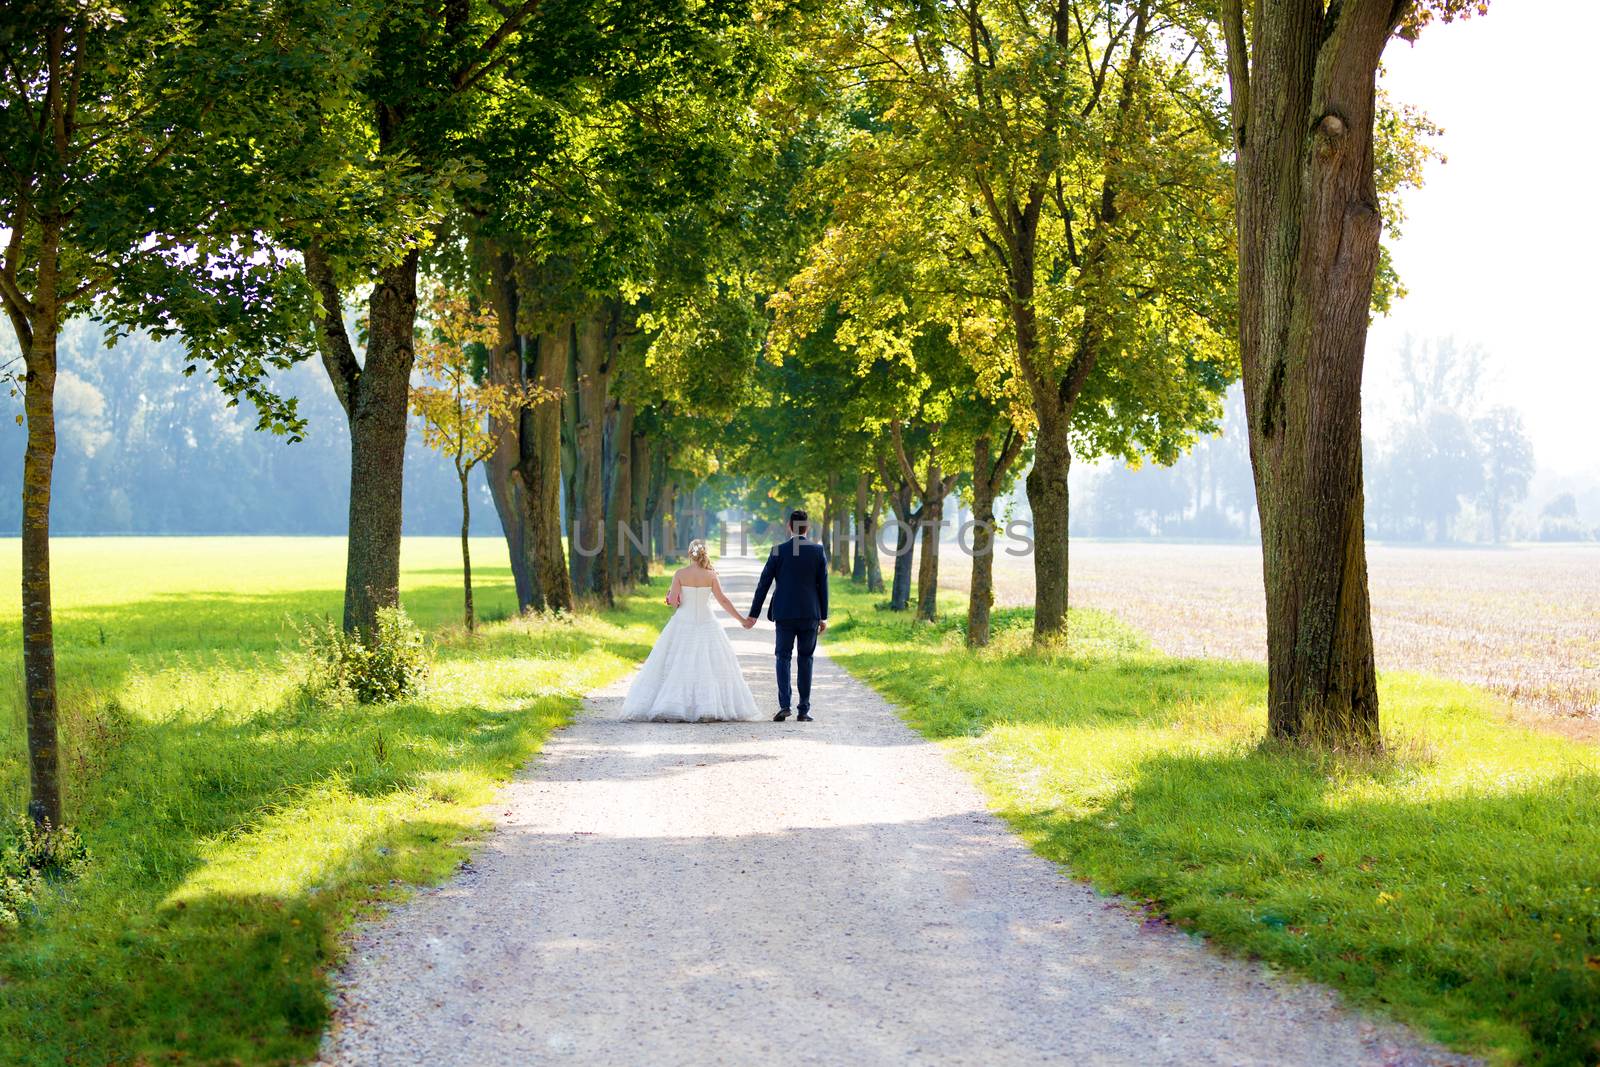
<point>1500,244</point>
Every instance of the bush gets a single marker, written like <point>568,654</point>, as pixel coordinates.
<point>392,665</point>
<point>29,854</point>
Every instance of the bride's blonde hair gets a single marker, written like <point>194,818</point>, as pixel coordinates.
<point>697,552</point>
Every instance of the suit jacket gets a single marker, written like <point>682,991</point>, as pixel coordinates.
<point>797,573</point>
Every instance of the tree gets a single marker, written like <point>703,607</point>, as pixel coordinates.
<point>1432,465</point>
<point>994,461</point>
<point>616,170</point>
<point>459,412</point>
<point>1559,520</point>
<point>1304,105</point>
<point>1051,173</point>
<point>1507,465</point>
<point>404,125</point>
<point>133,178</point>
<point>932,486</point>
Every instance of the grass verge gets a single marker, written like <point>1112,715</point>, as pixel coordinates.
<point>236,826</point>
<point>1453,883</point>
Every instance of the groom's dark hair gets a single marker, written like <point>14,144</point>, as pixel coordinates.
<point>798,521</point>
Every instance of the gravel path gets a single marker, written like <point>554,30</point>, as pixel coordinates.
<point>831,892</point>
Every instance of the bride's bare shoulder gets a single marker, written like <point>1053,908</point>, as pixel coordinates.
<point>693,575</point>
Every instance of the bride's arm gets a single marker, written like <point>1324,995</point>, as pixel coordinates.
<point>727,605</point>
<point>675,594</point>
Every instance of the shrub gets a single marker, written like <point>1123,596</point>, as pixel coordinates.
<point>30,854</point>
<point>389,666</point>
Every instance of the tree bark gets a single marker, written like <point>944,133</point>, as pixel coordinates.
<point>506,491</point>
<point>569,474</point>
<point>645,490</point>
<point>671,542</point>
<point>823,531</point>
<point>1049,503</point>
<point>869,536</point>
<point>505,487</point>
<point>591,569</point>
<point>841,537</point>
<point>619,514</point>
<point>38,339</point>
<point>375,395</point>
<point>540,467</point>
<point>932,521</point>
<point>988,475</point>
<point>1304,100</point>
<point>466,549</point>
<point>905,533</point>
<point>980,591</point>
<point>858,565</point>
<point>933,488</point>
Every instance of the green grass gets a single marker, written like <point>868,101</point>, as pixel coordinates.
<point>236,826</point>
<point>1453,882</point>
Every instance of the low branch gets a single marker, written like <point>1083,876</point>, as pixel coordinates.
<point>906,468</point>
<point>1238,66</point>
<point>333,340</point>
<point>487,59</point>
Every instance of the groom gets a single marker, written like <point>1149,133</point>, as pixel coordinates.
<point>798,569</point>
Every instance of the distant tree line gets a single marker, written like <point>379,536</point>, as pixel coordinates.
<point>144,450</point>
<point>1447,468</point>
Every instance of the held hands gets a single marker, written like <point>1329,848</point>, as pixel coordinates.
<point>747,622</point>
<point>822,626</point>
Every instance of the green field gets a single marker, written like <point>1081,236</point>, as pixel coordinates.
<point>1454,882</point>
<point>236,824</point>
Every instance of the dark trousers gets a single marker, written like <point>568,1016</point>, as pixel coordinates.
<point>795,637</point>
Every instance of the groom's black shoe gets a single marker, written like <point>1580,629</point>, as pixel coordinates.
<point>782,715</point>
<point>804,716</point>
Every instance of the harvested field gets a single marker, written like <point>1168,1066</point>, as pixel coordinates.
<point>1523,621</point>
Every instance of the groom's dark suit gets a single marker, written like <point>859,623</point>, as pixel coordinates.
<point>797,573</point>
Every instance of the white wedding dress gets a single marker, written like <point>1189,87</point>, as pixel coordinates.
<point>692,673</point>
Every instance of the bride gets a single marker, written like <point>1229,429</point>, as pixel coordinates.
<point>692,674</point>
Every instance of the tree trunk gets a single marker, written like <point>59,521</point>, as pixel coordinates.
<point>932,519</point>
<point>540,467</point>
<point>980,593</point>
<point>619,514</point>
<point>858,565</point>
<point>841,538</point>
<point>37,339</point>
<point>466,550</point>
<point>645,491</point>
<point>869,535</point>
<point>377,415</point>
<point>591,570</point>
<point>1047,499</point>
<point>505,488</point>
<point>570,475</point>
<point>669,524</point>
<point>905,537</point>
<point>823,532</point>
<point>1304,91</point>
<point>506,492</point>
